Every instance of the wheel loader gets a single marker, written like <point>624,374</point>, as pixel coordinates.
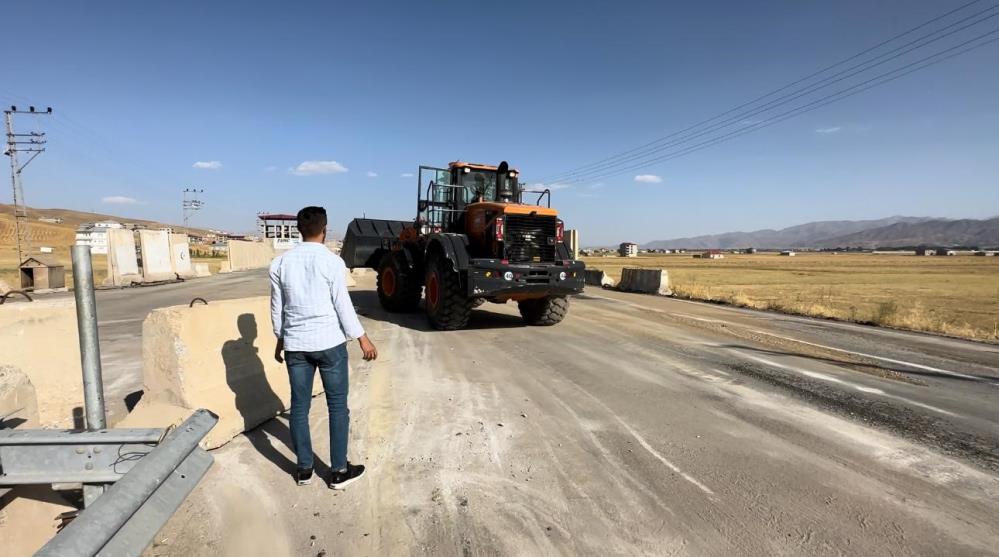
<point>474,239</point>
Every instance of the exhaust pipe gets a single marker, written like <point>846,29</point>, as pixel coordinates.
<point>503,189</point>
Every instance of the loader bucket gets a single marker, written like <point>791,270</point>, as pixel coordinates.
<point>367,239</point>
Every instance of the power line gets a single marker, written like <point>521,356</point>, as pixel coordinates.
<point>593,166</point>
<point>788,98</point>
<point>813,105</point>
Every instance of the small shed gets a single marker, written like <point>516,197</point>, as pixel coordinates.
<point>42,272</point>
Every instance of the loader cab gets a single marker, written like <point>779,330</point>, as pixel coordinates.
<point>445,194</point>
<point>481,183</point>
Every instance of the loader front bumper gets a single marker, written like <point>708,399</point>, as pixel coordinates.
<point>493,279</point>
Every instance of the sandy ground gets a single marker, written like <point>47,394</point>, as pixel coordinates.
<point>629,429</point>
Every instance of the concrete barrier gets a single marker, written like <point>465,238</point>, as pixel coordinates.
<point>249,255</point>
<point>4,288</point>
<point>349,278</point>
<point>649,281</point>
<point>201,270</point>
<point>40,339</point>
<point>123,267</point>
<point>218,356</point>
<point>225,267</point>
<point>572,239</point>
<point>596,277</point>
<point>155,248</point>
<point>18,402</point>
<point>180,256</point>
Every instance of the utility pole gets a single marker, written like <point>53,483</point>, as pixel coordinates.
<point>191,205</point>
<point>34,143</point>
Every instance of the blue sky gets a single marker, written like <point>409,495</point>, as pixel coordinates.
<point>144,91</point>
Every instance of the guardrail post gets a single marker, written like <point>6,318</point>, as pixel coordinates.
<point>90,351</point>
<point>90,348</point>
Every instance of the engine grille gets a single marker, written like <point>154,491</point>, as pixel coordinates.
<point>530,238</point>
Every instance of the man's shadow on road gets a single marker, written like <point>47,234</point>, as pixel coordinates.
<point>244,373</point>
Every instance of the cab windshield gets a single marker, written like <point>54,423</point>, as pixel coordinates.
<point>479,183</point>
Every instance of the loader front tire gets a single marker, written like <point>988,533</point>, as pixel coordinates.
<point>448,309</point>
<point>544,312</point>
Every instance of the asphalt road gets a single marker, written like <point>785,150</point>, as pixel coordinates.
<point>640,425</point>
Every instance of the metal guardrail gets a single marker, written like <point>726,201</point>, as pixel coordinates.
<point>133,479</point>
<point>124,520</point>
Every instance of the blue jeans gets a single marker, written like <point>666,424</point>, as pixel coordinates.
<point>332,364</point>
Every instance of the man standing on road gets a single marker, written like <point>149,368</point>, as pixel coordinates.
<point>313,318</point>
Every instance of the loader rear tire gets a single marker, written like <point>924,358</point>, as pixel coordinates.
<point>399,288</point>
<point>544,312</point>
<point>448,309</point>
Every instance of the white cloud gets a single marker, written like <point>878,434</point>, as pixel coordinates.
<point>270,168</point>
<point>311,168</point>
<point>208,165</point>
<point>832,129</point>
<point>372,174</point>
<point>119,200</point>
<point>406,175</point>
<point>648,179</point>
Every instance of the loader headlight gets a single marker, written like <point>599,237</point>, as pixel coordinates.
<point>561,276</point>
<point>508,275</point>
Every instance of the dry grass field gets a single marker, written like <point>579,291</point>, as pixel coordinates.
<point>956,296</point>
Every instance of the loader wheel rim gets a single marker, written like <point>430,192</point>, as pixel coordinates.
<point>388,281</point>
<point>433,290</point>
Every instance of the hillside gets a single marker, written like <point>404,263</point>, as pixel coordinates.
<point>60,235</point>
<point>963,232</point>
<point>890,232</point>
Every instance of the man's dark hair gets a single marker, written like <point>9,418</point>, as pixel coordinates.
<point>311,221</point>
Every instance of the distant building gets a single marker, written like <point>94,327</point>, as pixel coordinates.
<point>50,220</point>
<point>944,251</point>
<point>926,251</point>
<point>985,253</point>
<point>712,254</point>
<point>787,253</point>
<point>95,235</point>
<point>750,250</point>
<point>279,229</point>
<point>628,249</point>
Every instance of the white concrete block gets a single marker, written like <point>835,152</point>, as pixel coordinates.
<point>123,267</point>
<point>649,281</point>
<point>156,260</point>
<point>180,255</point>
<point>218,356</point>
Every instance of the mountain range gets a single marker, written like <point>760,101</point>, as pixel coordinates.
<point>889,232</point>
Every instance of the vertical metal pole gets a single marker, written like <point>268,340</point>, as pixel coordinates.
<point>12,152</point>
<point>90,349</point>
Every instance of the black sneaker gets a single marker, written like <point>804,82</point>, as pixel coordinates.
<point>303,476</point>
<point>341,479</point>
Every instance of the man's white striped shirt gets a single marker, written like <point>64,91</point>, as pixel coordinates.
<point>310,307</point>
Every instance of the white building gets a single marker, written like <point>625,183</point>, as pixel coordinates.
<point>95,235</point>
<point>280,229</point>
<point>628,249</point>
